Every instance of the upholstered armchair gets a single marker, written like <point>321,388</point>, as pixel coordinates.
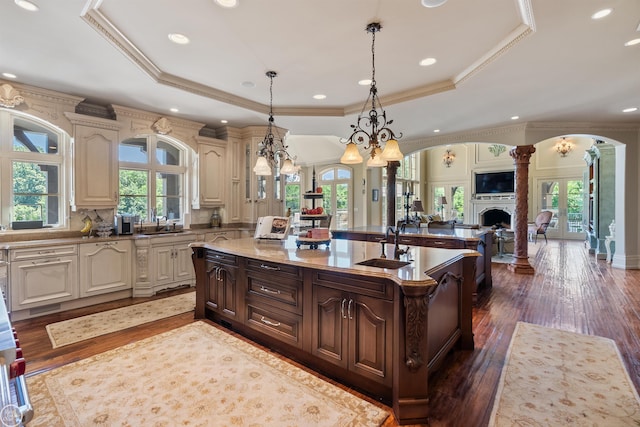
<point>540,226</point>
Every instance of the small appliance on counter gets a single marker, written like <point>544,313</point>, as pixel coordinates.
<point>123,224</point>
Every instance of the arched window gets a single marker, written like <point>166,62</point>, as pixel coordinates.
<point>32,173</point>
<point>336,183</point>
<point>152,177</point>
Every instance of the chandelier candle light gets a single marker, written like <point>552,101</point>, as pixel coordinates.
<point>272,149</point>
<point>379,132</point>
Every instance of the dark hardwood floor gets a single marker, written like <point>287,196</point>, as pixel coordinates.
<point>570,290</point>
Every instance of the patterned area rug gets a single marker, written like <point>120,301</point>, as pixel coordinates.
<point>559,378</point>
<point>196,375</point>
<point>86,327</point>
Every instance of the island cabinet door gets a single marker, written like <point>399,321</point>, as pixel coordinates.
<point>221,290</point>
<point>353,331</point>
<point>329,332</point>
<point>370,337</point>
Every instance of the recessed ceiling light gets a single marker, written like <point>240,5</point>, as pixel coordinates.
<point>433,3</point>
<point>632,42</point>
<point>515,117</point>
<point>428,61</point>
<point>179,38</point>
<point>630,110</point>
<point>224,121</point>
<point>319,96</point>
<point>27,5</point>
<point>365,82</point>
<point>248,84</point>
<point>436,130</point>
<point>174,110</point>
<point>227,3</point>
<point>601,14</point>
<point>9,75</point>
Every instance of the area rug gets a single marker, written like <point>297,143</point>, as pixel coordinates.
<point>553,377</point>
<point>196,375</point>
<point>86,327</point>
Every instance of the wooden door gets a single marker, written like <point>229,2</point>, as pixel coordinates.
<point>329,338</point>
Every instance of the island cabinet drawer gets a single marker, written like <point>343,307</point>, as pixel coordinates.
<point>284,326</point>
<point>282,293</point>
<point>220,257</point>
<point>442,243</point>
<point>363,285</point>
<point>274,269</point>
<point>37,253</point>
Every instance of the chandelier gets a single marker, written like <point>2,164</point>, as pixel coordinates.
<point>376,120</point>
<point>272,149</point>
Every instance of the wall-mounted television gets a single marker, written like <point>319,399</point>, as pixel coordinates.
<point>495,182</point>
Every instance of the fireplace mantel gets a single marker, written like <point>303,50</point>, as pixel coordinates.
<point>484,203</point>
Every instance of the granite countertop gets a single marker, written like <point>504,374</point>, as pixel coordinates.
<point>44,240</point>
<point>343,255</point>
<point>456,233</point>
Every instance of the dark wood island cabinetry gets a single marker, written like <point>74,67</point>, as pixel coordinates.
<point>380,330</point>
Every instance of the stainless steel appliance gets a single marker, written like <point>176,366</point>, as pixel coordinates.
<point>15,406</point>
<point>123,224</point>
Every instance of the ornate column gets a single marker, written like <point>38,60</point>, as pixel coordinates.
<point>521,156</point>
<point>392,169</point>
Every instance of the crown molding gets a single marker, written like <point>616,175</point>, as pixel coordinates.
<point>92,121</point>
<point>94,17</point>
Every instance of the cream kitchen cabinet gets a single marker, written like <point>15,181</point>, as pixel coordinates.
<point>213,174</point>
<point>44,277</point>
<point>95,162</point>
<point>163,262</point>
<point>105,266</point>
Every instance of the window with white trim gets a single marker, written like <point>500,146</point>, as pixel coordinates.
<point>32,172</point>
<point>152,178</point>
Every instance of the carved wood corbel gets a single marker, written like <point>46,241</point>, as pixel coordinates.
<point>416,311</point>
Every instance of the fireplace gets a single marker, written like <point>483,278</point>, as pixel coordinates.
<point>491,210</point>
<point>499,218</point>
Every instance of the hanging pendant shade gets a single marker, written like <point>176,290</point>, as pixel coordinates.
<point>262,167</point>
<point>376,160</point>
<point>287,167</point>
<point>351,155</point>
<point>392,151</point>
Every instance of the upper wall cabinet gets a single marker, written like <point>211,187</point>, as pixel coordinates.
<point>95,162</point>
<point>213,171</point>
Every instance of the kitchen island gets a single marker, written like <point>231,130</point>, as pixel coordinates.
<point>460,237</point>
<point>380,329</point>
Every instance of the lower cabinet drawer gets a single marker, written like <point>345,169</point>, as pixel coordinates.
<point>283,326</point>
<point>285,295</point>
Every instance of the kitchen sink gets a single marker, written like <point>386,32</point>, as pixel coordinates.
<point>383,263</point>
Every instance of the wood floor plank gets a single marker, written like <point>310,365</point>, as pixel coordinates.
<point>569,290</point>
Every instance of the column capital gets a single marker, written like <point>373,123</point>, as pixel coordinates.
<point>522,153</point>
